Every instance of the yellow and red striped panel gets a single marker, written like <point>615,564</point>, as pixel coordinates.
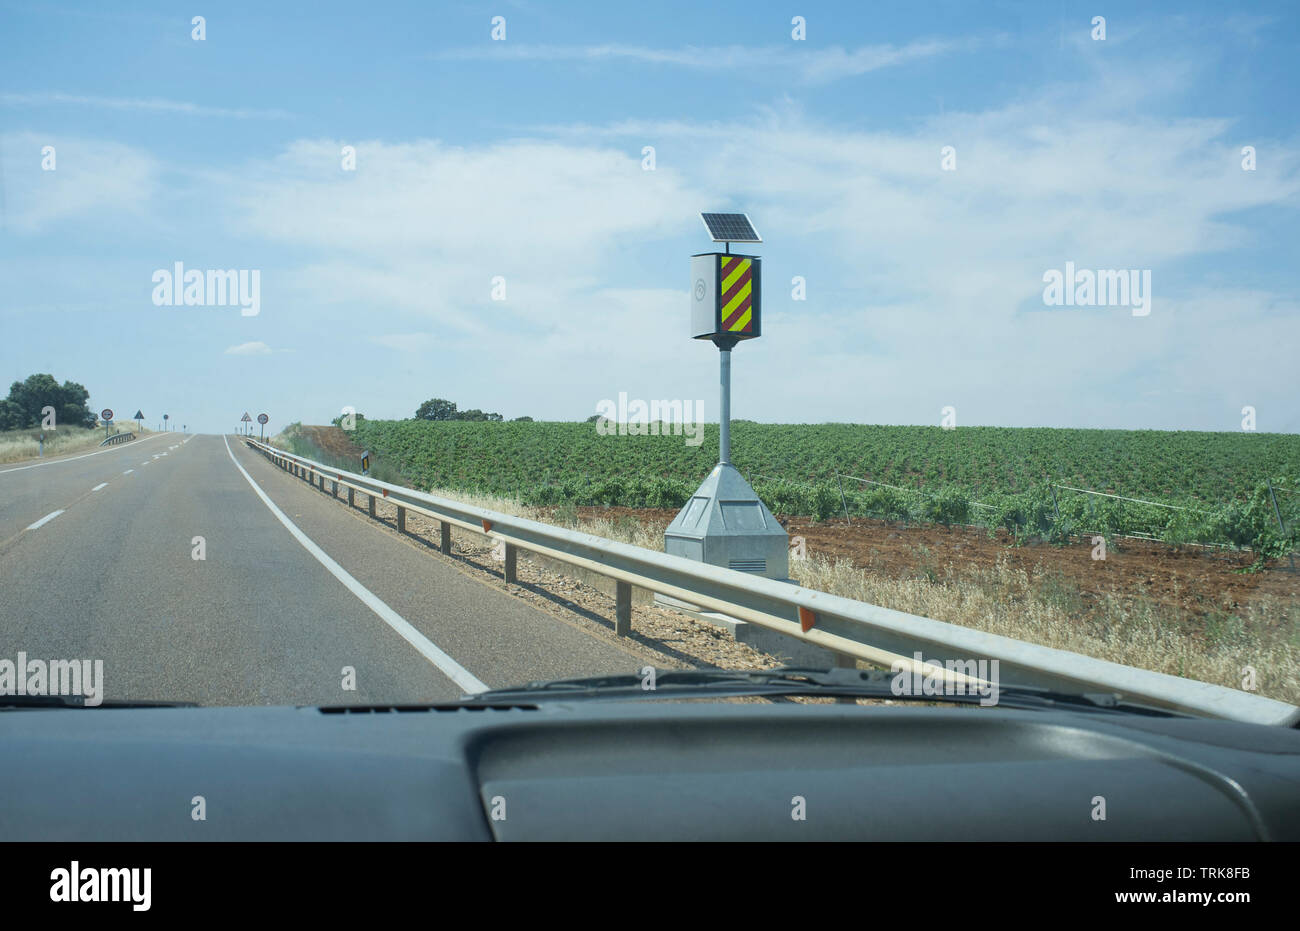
<point>737,294</point>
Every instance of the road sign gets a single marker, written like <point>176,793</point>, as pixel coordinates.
<point>262,418</point>
<point>726,298</point>
<point>245,418</point>
<point>106,415</point>
<point>139,415</point>
<point>365,462</point>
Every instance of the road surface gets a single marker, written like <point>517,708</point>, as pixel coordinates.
<point>97,562</point>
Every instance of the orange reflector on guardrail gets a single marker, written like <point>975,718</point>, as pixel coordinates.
<point>487,526</point>
<point>807,619</point>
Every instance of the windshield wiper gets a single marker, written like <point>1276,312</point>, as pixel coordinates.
<point>79,701</point>
<point>793,681</point>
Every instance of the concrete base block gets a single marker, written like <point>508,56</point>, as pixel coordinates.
<point>789,650</point>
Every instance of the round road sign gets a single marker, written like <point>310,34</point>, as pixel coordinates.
<point>262,418</point>
<point>106,414</point>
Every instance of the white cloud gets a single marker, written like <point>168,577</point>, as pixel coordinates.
<point>254,348</point>
<point>810,64</point>
<point>90,176</point>
<point>925,286</point>
<point>148,104</point>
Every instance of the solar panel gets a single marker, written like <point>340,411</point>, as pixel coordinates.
<point>730,227</point>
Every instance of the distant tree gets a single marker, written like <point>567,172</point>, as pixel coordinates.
<point>593,418</point>
<point>11,415</point>
<point>523,420</point>
<point>436,409</point>
<point>442,409</point>
<point>28,397</point>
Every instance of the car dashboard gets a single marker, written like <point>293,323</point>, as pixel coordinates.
<point>642,771</point>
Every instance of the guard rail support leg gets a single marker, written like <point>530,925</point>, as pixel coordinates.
<point>372,505</point>
<point>445,543</point>
<point>401,519</point>
<point>622,608</point>
<point>512,562</point>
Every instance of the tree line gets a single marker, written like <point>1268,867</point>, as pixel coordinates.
<point>442,409</point>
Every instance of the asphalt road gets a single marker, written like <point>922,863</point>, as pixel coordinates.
<point>97,561</point>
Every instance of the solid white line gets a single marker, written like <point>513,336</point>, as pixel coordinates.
<point>428,649</point>
<point>37,465</point>
<point>99,486</point>
<point>46,519</point>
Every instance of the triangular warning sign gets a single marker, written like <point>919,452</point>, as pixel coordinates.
<point>246,417</point>
<point>139,414</point>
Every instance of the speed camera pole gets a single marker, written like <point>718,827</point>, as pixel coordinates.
<point>725,523</point>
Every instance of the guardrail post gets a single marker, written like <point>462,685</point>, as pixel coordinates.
<point>334,489</point>
<point>512,562</point>
<point>401,519</point>
<point>622,608</point>
<point>445,543</point>
<point>372,505</point>
<point>351,496</point>
<point>845,661</point>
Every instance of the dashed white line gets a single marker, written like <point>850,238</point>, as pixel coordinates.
<point>128,471</point>
<point>46,519</point>
<point>99,486</point>
<point>428,649</point>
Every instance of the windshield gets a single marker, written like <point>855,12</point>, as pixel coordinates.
<point>346,361</point>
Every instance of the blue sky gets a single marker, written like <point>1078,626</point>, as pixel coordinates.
<point>523,159</point>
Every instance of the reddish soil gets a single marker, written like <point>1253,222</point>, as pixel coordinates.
<point>1197,580</point>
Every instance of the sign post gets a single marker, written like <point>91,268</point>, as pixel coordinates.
<point>365,463</point>
<point>165,416</point>
<point>261,430</point>
<point>139,420</point>
<point>107,416</point>
<point>245,419</point>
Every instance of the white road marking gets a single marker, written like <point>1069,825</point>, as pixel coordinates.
<point>144,463</point>
<point>99,486</point>
<point>37,465</point>
<point>46,519</point>
<point>428,649</point>
<point>128,471</point>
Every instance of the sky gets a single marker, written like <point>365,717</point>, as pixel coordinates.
<point>517,167</point>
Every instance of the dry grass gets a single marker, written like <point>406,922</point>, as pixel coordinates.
<point>17,445</point>
<point>1051,612</point>
<point>1134,632</point>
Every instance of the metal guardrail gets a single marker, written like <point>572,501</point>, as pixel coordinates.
<point>877,635</point>
<point>118,438</point>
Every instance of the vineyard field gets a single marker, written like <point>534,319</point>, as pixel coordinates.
<point>1213,484</point>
